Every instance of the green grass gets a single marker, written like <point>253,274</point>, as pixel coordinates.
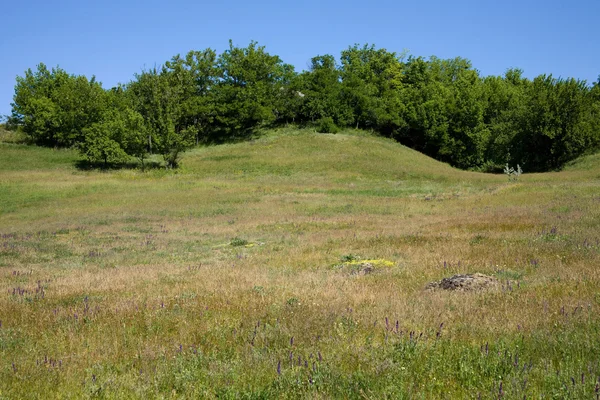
<point>14,137</point>
<point>220,279</point>
<point>586,163</point>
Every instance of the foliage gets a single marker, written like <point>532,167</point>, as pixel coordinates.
<point>236,241</point>
<point>323,92</point>
<point>557,124</point>
<point>326,125</point>
<point>54,107</point>
<point>441,107</point>
<point>99,146</point>
<point>370,80</point>
<point>251,90</point>
<point>120,134</point>
<point>159,99</point>
<point>195,75</point>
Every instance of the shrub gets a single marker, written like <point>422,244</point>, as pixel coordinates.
<point>237,241</point>
<point>326,125</point>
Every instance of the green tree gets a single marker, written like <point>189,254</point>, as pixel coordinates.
<point>249,91</point>
<point>505,102</point>
<point>558,123</point>
<point>54,107</point>
<point>370,80</point>
<point>288,98</point>
<point>425,97</point>
<point>195,75</point>
<point>443,109</point>
<point>322,89</point>
<point>100,145</point>
<point>468,134</point>
<point>158,98</point>
<point>119,135</point>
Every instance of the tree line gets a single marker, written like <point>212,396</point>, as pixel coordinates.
<point>441,107</point>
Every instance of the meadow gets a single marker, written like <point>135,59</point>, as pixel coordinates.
<point>232,276</point>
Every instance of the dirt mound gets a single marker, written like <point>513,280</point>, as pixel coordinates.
<point>469,282</point>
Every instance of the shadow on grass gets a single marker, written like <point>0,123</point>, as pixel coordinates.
<point>222,135</point>
<point>86,165</point>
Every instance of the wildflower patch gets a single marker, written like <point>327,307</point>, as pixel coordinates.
<point>354,265</point>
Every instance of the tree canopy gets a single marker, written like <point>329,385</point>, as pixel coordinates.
<point>441,107</point>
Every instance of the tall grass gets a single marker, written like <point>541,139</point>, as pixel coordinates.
<point>220,280</point>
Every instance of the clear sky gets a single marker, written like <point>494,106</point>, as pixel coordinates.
<point>114,39</point>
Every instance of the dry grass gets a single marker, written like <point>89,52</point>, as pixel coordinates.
<point>128,283</point>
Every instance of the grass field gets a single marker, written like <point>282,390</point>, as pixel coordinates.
<point>227,279</point>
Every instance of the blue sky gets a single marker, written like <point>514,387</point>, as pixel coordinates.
<point>115,39</point>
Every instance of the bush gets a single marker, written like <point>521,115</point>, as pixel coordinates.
<point>8,135</point>
<point>490,167</point>
<point>326,125</point>
<point>237,241</point>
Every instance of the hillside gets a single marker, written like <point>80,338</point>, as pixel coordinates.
<point>240,275</point>
<point>589,163</point>
<point>297,161</point>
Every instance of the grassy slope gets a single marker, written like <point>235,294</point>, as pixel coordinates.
<point>589,163</point>
<point>125,284</point>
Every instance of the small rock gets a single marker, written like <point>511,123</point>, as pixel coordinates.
<point>364,269</point>
<point>469,282</point>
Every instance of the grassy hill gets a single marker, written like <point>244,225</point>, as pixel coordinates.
<point>233,276</point>
<point>589,163</point>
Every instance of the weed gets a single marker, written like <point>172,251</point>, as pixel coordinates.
<point>513,174</point>
<point>236,242</point>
